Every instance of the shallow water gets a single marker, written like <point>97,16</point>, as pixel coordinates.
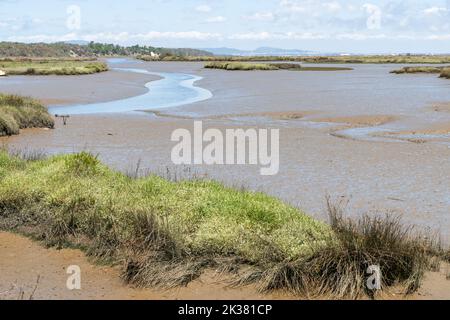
<point>174,89</point>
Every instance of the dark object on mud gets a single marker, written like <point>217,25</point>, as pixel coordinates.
<point>64,117</point>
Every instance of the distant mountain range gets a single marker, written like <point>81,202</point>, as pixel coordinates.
<point>263,51</point>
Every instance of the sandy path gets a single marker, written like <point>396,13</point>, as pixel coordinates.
<point>23,261</point>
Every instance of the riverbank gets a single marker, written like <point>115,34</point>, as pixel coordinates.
<point>51,66</point>
<point>402,177</point>
<point>102,87</point>
<point>27,261</point>
<point>33,270</point>
<point>166,234</point>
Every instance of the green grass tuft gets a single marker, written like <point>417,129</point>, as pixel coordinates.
<point>20,113</point>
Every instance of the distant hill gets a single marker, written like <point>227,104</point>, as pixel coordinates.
<point>263,51</point>
<point>90,49</point>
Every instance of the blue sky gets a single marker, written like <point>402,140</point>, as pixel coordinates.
<point>357,26</point>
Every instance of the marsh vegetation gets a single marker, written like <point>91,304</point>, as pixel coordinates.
<point>347,59</point>
<point>166,233</point>
<point>444,72</point>
<point>53,66</point>
<point>245,66</point>
<point>20,113</point>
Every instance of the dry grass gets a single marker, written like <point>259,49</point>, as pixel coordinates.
<point>339,267</point>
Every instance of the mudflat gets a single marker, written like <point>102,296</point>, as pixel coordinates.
<point>30,271</point>
<point>374,173</point>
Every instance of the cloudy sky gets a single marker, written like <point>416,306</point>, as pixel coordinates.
<point>359,26</point>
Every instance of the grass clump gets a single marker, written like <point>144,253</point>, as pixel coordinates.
<point>417,70</point>
<point>233,66</point>
<point>445,73</point>
<point>156,229</point>
<point>339,267</point>
<point>43,67</point>
<point>165,234</point>
<point>20,113</point>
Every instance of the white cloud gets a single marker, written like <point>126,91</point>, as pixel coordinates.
<point>277,36</point>
<point>216,19</point>
<point>261,16</point>
<point>435,10</point>
<point>119,37</point>
<point>203,8</point>
<point>333,6</point>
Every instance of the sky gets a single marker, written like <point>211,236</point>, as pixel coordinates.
<point>352,26</point>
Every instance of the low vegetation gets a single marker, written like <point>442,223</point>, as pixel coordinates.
<point>444,72</point>
<point>233,66</point>
<point>165,234</point>
<point>347,59</point>
<point>382,59</point>
<point>19,113</point>
<point>45,67</point>
<point>418,70</point>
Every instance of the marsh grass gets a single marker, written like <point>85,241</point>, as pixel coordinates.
<point>45,67</point>
<point>242,66</point>
<point>372,59</point>
<point>20,113</point>
<point>234,66</point>
<point>166,234</point>
<point>338,268</point>
<point>418,70</point>
<point>150,226</point>
<point>445,73</point>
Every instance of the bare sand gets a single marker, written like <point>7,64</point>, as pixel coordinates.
<point>358,121</point>
<point>31,271</point>
<point>40,273</point>
<point>60,90</point>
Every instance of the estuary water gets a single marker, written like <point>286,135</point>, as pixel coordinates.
<point>173,90</point>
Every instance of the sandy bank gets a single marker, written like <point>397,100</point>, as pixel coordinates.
<point>60,90</point>
<point>32,270</point>
<point>23,261</point>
